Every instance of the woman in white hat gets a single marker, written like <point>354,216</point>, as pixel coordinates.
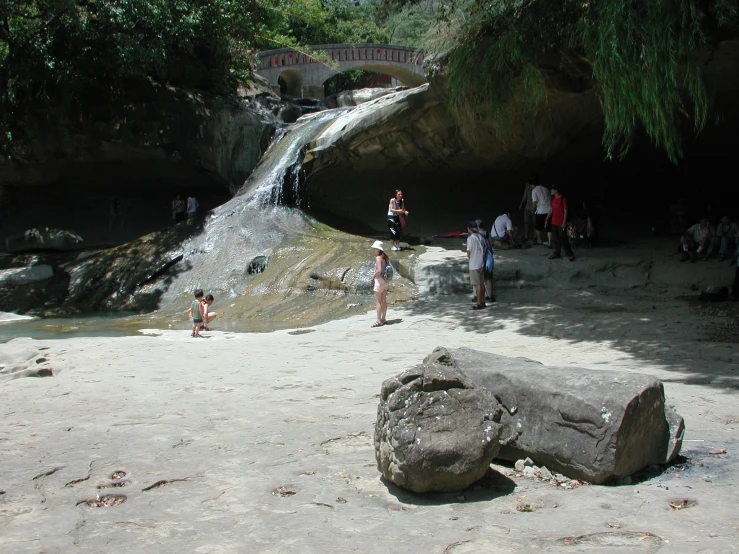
<point>379,284</point>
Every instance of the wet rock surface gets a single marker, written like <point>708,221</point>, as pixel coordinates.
<point>355,97</point>
<point>435,431</point>
<point>25,275</point>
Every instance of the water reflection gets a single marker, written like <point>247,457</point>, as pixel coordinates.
<point>95,325</point>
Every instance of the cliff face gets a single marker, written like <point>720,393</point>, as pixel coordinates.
<point>410,140</point>
<point>156,131</point>
<point>67,166</point>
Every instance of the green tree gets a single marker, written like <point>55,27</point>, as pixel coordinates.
<point>639,55</point>
<point>72,51</point>
<point>334,21</point>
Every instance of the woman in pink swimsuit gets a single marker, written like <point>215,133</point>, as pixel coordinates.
<point>379,285</point>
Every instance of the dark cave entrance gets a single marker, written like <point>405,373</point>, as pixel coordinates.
<point>80,200</point>
<point>633,195</point>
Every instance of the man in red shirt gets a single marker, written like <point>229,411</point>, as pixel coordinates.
<point>558,215</point>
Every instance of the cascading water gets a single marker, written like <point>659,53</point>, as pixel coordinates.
<point>275,180</point>
<point>259,219</point>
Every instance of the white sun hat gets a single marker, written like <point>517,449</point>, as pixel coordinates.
<point>378,244</point>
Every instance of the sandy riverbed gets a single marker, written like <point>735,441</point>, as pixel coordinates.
<point>218,424</point>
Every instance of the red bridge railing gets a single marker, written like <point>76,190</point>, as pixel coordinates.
<point>341,53</point>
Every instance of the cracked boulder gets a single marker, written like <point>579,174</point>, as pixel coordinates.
<point>435,430</point>
<point>591,425</point>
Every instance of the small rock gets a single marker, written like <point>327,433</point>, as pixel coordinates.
<point>545,474</point>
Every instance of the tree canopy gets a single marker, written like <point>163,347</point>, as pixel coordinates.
<point>641,56</point>
<point>72,50</point>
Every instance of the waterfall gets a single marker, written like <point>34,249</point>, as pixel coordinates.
<point>261,217</point>
<point>276,179</point>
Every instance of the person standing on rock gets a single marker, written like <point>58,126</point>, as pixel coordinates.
<point>379,284</point>
<point>540,200</point>
<point>489,259</point>
<point>178,209</point>
<point>396,214</point>
<point>558,217</point>
<point>475,254</point>
<point>526,205</point>
<point>192,207</point>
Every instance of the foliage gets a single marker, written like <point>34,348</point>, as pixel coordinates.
<point>410,25</point>
<point>641,57</point>
<point>71,51</point>
<point>77,43</point>
<point>334,21</point>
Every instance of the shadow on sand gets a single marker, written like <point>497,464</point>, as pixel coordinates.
<point>624,307</point>
<point>493,485</point>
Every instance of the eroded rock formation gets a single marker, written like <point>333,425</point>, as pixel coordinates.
<point>589,425</point>
<point>413,141</point>
<point>435,431</point>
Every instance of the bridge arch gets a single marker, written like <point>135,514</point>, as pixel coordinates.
<point>304,76</point>
<point>403,75</point>
<point>293,81</point>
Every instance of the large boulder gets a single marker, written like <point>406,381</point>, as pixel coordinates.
<point>435,431</point>
<point>43,239</point>
<point>19,276</point>
<point>590,425</point>
<point>349,98</point>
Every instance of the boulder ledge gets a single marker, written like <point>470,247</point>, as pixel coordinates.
<point>589,425</point>
<point>435,431</point>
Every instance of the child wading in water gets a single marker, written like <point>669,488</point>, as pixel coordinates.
<point>196,313</point>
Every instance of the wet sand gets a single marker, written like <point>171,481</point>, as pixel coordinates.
<point>214,435</point>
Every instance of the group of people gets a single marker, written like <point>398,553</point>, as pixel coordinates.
<point>703,239</point>
<point>200,314</point>
<point>184,209</point>
<point>546,210</point>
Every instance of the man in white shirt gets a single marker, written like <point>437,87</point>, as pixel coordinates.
<point>696,240</point>
<point>475,251</point>
<point>503,229</point>
<point>540,199</point>
<point>192,207</point>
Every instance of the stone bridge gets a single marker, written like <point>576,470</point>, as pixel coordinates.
<point>304,76</point>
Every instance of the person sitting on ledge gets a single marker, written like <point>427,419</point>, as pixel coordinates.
<point>723,238</point>
<point>695,240</point>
